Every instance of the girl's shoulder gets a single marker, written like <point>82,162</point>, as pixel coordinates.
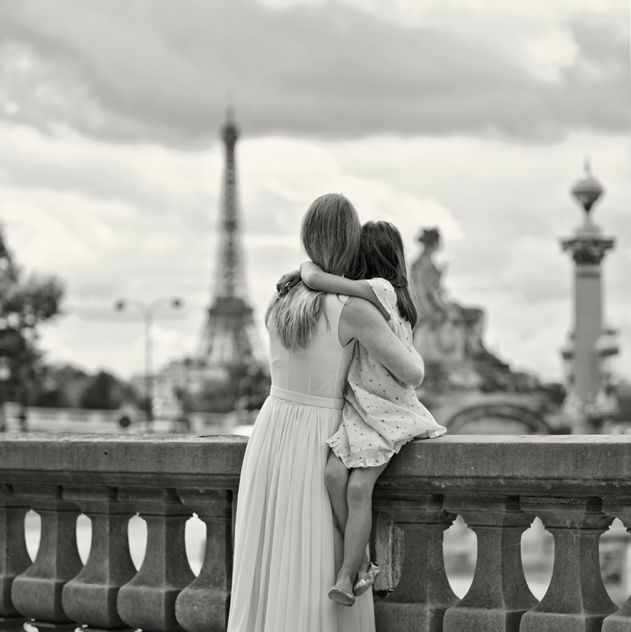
<point>384,292</point>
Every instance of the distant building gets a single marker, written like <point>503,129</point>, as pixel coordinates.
<point>179,375</point>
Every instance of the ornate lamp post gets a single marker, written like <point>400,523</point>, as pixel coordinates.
<point>148,311</point>
<point>589,345</point>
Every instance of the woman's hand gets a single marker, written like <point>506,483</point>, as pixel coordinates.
<point>287,281</point>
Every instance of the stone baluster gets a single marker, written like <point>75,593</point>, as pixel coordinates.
<point>147,601</point>
<point>203,605</point>
<point>499,594</point>
<point>619,621</point>
<point>576,599</point>
<point>36,592</point>
<point>14,558</point>
<point>90,598</point>
<point>423,593</point>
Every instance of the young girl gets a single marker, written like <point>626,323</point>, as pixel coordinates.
<point>380,414</point>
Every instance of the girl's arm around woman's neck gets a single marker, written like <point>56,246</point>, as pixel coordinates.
<point>315,278</point>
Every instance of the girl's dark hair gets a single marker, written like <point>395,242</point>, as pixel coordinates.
<point>382,256</point>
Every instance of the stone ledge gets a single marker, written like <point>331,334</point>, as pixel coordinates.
<point>578,465</point>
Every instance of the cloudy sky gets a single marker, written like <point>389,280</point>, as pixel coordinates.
<point>471,115</point>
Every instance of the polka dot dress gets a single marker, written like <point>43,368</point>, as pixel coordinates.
<point>381,414</point>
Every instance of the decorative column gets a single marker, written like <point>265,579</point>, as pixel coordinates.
<point>499,594</point>
<point>423,593</point>
<point>576,599</point>
<point>147,601</point>
<point>14,558</point>
<point>90,598</point>
<point>203,605</point>
<point>36,593</point>
<point>589,344</point>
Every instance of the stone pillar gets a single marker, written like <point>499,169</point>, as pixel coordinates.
<point>36,593</point>
<point>148,600</point>
<point>14,558</point>
<point>499,594</point>
<point>203,605</point>
<point>619,621</point>
<point>423,593</point>
<point>587,248</point>
<point>90,598</point>
<point>576,600</point>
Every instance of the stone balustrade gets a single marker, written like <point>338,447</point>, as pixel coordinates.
<point>575,485</point>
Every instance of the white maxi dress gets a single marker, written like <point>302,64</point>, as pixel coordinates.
<point>284,532</point>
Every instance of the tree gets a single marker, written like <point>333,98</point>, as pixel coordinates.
<point>60,386</point>
<point>25,303</point>
<point>105,392</point>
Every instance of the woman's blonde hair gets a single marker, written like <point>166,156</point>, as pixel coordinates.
<point>330,235</point>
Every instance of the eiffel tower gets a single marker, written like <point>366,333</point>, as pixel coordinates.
<point>229,338</point>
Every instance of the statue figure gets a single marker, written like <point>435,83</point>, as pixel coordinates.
<point>448,334</point>
<point>426,279</point>
<point>439,334</point>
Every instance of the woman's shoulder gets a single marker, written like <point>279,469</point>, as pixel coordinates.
<point>336,300</point>
<point>334,305</point>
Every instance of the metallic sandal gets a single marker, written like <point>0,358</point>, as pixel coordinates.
<point>366,580</point>
<point>341,597</point>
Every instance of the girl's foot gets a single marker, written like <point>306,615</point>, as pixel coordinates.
<point>341,597</point>
<point>366,580</point>
<point>342,591</point>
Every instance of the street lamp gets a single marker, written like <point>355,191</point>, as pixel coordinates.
<point>148,310</point>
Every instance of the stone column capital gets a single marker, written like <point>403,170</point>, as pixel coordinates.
<point>587,250</point>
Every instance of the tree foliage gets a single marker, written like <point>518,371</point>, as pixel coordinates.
<point>25,303</point>
<point>105,392</point>
<point>246,387</point>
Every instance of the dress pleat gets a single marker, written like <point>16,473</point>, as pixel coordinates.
<point>284,540</point>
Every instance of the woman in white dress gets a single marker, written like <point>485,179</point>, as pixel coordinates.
<point>287,545</point>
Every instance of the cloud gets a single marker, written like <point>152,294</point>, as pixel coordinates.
<point>172,186</point>
<point>158,71</point>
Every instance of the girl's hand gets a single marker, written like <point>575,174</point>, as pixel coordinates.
<point>287,281</point>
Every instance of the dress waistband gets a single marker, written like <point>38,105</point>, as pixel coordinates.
<point>337,403</point>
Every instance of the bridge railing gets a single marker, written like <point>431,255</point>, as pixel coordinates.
<point>575,485</point>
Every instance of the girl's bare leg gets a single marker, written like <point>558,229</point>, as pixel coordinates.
<point>358,524</point>
<point>336,478</point>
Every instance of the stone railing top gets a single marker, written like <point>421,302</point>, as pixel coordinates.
<point>583,465</point>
